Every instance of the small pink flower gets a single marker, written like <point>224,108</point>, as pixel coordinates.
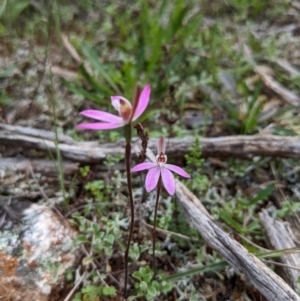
<point>124,108</point>
<point>160,169</point>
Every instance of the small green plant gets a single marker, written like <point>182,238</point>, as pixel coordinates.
<point>233,213</point>
<point>195,162</point>
<point>248,8</point>
<point>249,117</point>
<point>111,161</point>
<point>84,171</point>
<point>146,286</point>
<point>11,9</point>
<point>136,251</point>
<point>93,293</point>
<point>100,244</point>
<point>287,208</point>
<point>245,117</point>
<point>237,168</point>
<point>97,188</point>
<point>4,99</point>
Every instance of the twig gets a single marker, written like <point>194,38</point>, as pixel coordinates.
<point>280,264</point>
<point>172,233</point>
<point>79,281</point>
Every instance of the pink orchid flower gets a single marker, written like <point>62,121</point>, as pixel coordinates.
<point>125,109</point>
<point>160,169</point>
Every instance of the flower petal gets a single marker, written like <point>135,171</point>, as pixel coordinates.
<point>178,170</point>
<point>168,180</point>
<point>100,115</point>
<point>142,102</point>
<point>99,126</point>
<point>152,178</point>
<point>143,166</point>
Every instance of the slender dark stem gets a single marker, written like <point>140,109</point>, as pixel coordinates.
<point>127,159</point>
<point>154,222</point>
<point>127,132</point>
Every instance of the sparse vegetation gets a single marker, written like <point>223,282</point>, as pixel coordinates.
<point>211,66</point>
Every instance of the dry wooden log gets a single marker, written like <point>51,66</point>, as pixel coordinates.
<point>286,66</point>
<point>42,166</point>
<point>31,132</point>
<point>264,279</point>
<point>287,95</point>
<point>88,152</point>
<point>279,236</point>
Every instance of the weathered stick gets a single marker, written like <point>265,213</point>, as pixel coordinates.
<point>287,95</point>
<point>280,238</point>
<point>31,132</point>
<point>88,152</point>
<point>264,279</point>
<point>42,166</point>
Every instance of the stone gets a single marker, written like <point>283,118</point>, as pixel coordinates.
<point>37,247</point>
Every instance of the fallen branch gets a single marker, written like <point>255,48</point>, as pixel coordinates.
<point>43,166</point>
<point>88,152</point>
<point>7,129</point>
<point>263,278</point>
<point>280,238</point>
<point>287,95</point>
